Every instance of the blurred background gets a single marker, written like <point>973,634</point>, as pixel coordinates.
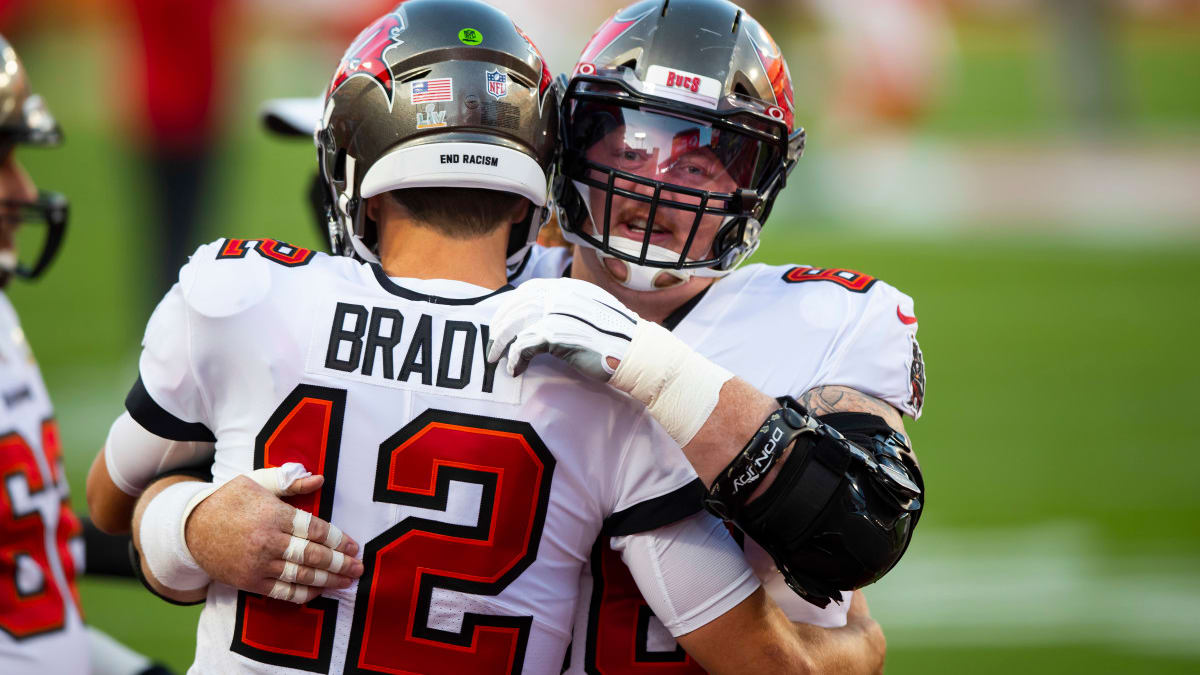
<point>1028,170</point>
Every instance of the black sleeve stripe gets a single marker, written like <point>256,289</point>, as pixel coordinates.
<point>654,513</point>
<point>159,422</point>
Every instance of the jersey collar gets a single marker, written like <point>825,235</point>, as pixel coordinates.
<point>678,315</point>
<point>396,289</point>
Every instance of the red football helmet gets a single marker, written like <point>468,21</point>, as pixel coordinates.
<point>677,122</point>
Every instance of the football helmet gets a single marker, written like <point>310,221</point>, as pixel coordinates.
<point>25,120</point>
<point>437,93</point>
<point>682,112</point>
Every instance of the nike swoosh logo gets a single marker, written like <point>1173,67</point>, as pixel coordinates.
<point>904,319</point>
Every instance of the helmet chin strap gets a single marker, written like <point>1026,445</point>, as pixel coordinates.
<point>640,277</point>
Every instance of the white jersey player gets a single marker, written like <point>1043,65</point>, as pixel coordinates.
<point>477,492</point>
<point>678,135</point>
<point>707,186</point>
<point>41,545</point>
<point>838,328</point>
<point>477,495</point>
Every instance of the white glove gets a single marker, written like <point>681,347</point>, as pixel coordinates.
<point>573,320</point>
<point>592,331</point>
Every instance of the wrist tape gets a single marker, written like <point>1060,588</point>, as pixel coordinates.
<point>164,547</point>
<point>679,387</point>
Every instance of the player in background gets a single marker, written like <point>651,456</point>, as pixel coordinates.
<point>41,542</point>
<point>478,494</point>
<point>41,547</point>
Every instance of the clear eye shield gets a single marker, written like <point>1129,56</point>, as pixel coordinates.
<point>647,167</point>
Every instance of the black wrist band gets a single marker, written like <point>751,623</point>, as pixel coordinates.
<point>733,486</point>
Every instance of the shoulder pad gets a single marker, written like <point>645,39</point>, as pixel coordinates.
<point>871,325</point>
<point>229,276</point>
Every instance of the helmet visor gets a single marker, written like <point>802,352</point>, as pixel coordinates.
<point>671,149</point>
<point>682,188</point>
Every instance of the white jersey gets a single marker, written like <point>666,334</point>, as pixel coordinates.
<point>785,330</point>
<point>41,542</point>
<point>476,496</point>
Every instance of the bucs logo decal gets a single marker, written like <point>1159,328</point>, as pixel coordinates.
<point>546,80</point>
<point>776,69</point>
<point>365,57</point>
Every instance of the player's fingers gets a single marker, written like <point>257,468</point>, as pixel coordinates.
<point>498,345</point>
<point>280,480</point>
<point>508,322</point>
<point>523,349</point>
<point>322,557</point>
<point>306,485</point>
<point>294,551</point>
<point>301,520</point>
<point>317,578</point>
<point>328,534</point>
<point>268,547</point>
<point>282,590</point>
<point>494,351</point>
<point>290,572</point>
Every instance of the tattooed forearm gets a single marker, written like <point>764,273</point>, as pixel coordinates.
<point>825,400</point>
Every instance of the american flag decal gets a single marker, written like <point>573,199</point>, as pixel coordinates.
<point>433,91</point>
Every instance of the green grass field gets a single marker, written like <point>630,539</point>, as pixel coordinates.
<point>1059,440</point>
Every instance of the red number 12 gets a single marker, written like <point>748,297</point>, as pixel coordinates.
<point>404,564</point>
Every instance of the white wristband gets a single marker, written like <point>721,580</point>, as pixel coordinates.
<point>679,387</point>
<point>164,547</point>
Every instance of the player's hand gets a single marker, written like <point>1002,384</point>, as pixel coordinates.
<point>573,320</point>
<point>245,536</point>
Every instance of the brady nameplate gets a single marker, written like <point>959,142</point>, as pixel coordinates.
<point>408,349</point>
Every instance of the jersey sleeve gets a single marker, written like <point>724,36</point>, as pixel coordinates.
<point>653,484</point>
<point>134,456</point>
<point>167,400</point>
<point>186,338</point>
<point>690,573</point>
<point>796,608</point>
<point>878,353</point>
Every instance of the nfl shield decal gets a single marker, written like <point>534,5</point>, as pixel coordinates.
<point>497,83</point>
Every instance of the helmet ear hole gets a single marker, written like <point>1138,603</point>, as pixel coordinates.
<point>417,75</point>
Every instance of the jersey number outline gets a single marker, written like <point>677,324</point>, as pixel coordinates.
<point>305,428</point>
<point>619,617</point>
<point>619,623</point>
<point>514,468</point>
<point>272,249</point>
<point>43,610</point>
<point>415,467</point>
<point>847,279</point>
